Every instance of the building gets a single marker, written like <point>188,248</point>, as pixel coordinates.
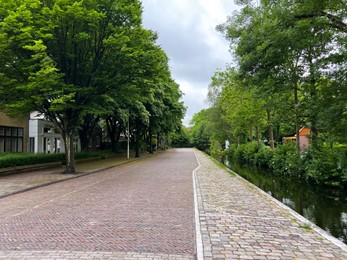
<point>14,133</point>
<point>44,138</point>
<point>304,137</point>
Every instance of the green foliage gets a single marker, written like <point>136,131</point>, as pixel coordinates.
<point>76,60</point>
<point>12,160</point>
<point>201,135</point>
<point>245,153</point>
<point>286,161</point>
<point>290,73</point>
<point>216,150</point>
<point>20,159</point>
<point>263,157</point>
<point>327,165</point>
<point>180,138</point>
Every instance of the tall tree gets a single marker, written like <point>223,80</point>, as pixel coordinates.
<point>57,57</point>
<point>287,45</point>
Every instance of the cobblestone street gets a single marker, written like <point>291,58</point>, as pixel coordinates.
<point>239,221</point>
<point>146,210</point>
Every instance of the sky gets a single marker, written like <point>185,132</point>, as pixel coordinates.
<point>186,30</point>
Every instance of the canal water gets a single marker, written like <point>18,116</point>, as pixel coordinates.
<point>325,207</point>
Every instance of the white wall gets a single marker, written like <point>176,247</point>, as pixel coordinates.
<point>48,142</point>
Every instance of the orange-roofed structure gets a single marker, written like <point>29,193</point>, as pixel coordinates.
<point>304,138</point>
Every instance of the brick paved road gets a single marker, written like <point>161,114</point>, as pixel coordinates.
<point>142,210</point>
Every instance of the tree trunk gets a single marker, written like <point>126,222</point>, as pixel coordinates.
<point>158,144</point>
<point>84,138</point>
<point>313,106</point>
<point>297,120</point>
<point>271,130</point>
<point>111,133</point>
<point>164,142</point>
<point>69,153</point>
<point>251,134</point>
<point>150,141</point>
<point>137,143</point>
<point>257,134</point>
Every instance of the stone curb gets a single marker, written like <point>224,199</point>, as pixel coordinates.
<point>64,179</point>
<point>25,168</point>
<point>198,235</point>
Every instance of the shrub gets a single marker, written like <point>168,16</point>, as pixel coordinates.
<point>20,159</point>
<point>249,152</point>
<point>230,152</point>
<point>263,157</point>
<point>244,153</point>
<point>326,165</point>
<point>216,150</point>
<point>286,160</point>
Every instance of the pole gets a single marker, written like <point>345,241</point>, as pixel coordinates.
<point>128,146</point>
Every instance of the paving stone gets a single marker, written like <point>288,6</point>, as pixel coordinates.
<point>145,211</point>
<point>145,208</point>
<point>254,222</point>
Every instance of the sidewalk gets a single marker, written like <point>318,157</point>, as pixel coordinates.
<point>239,221</point>
<point>19,182</point>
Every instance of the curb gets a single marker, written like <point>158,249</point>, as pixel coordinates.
<point>198,235</point>
<point>65,179</point>
<point>27,168</point>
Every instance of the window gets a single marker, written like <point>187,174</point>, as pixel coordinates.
<point>11,139</point>
<point>32,144</point>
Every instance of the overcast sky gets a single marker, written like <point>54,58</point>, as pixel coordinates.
<point>186,30</point>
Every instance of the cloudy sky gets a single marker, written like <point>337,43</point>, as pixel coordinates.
<point>187,33</point>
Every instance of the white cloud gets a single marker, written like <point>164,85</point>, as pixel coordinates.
<point>187,34</point>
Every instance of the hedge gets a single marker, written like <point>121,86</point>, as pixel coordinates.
<point>20,159</point>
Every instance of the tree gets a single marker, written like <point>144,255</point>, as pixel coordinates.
<point>201,132</point>
<point>288,45</point>
<point>58,56</point>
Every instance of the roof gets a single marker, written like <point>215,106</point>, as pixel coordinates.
<point>303,132</point>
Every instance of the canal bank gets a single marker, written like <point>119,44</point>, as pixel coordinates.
<point>324,206</point>
<point>238,220</point>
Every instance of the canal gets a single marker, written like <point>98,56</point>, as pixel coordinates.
<point>325,207</point>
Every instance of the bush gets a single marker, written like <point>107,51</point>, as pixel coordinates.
<point>286,160</point>
<point>230,152</point>
<point>244,153</point>
<point>326,165</point>
<point>264,156</point>
<point>216,150</point>
<point>249,152</point>
<point>20,159</point>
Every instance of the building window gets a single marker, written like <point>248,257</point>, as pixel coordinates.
<point>32,144</point>
<point>11,139</point>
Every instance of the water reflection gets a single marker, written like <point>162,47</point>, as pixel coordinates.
<point>325,207</point>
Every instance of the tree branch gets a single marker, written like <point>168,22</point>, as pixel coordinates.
<point>336,22</point>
